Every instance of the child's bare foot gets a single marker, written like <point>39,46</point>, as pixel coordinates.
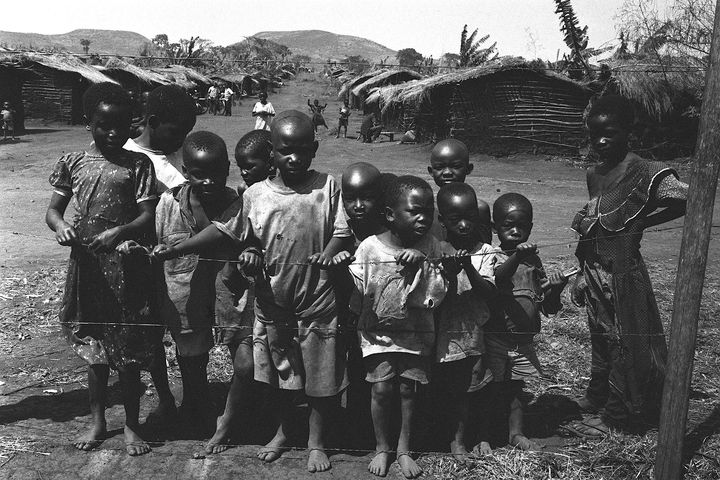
<point>218,442</point>
<point>93,438</point>
<point>458,450</point>
<point>163,414</point>
<point>273,450</point>
<point>379,464</point>
<point>408,467</point>
<point>482,448</point>
<point>318,461</point>
<point>523,443</point>
<point>134,445</point>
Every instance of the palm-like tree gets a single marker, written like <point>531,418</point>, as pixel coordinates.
<point>470,52</point>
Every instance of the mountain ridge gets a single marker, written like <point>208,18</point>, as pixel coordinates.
<point>120,42</point>
<point>321,45</point>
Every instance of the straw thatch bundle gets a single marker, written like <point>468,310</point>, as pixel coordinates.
<point>147,76</point>
<point>353,81</point>
<point>61,63</point>
<point>390,77</point>
<point>184,76</point>
<point>656,87</point>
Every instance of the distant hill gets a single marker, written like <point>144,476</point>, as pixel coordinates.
<point>320,45</point>
<point>102,41</point>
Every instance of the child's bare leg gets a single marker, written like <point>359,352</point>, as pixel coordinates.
<point>515,428</point>
<point>458,422</point>
<point>97,388</point>
<point>275,447</point>
<point>166,409</point>
<point>195,387</point>
<point>320,409</point>
<point>407,409</point>
<point>381,400</point>
<point>236,399</point>
<point>130,386</point>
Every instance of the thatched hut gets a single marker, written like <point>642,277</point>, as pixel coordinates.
<point>12,77</point>
<point>51,86</point>
<point>391,77</point>
<point>502,106</point>
<point>350,83</point>
<point>186,77</point>
<point>241,82</point>
<point>130,76</point>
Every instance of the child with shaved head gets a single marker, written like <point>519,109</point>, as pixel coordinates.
<point>297,225</point>
<point>450,163</point>
<point>464,311</point>
<point>524,291</point>
<point>188,302</point>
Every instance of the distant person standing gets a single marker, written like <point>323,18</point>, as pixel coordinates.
<point>263,111</point>
<point>317,116</point>
<point>343,120</point>
<point>8,120</point>
<point>212,95</point>
<point>228,99</point>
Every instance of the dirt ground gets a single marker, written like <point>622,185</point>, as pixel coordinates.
<point>42,384</point>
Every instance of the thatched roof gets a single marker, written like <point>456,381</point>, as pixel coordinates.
<point>354,81</point>
<point>186,77</point>
<point>653,86</point>
<point>147,76</point>
<point>62,63</point>
<point>391,77</point>
<point>418,90</point>
<point>237,78</point>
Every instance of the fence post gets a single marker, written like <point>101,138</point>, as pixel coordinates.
<point>691,274</point>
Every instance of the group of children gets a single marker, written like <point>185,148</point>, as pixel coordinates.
<point>317,287</point>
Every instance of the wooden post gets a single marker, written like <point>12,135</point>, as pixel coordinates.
<point>691,273</point>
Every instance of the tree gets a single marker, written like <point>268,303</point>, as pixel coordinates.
<point>86,45</point>
<point>356,64</point>
<point>576,38</point>
<point>408,57</point>
<point>471,54</point>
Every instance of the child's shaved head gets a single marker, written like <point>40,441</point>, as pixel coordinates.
<point>361,192</point>
<point>256,144</point>
<point>449,162</point>
<point>293,123</point>
<point>453,190</point>
<point>202,146</point>
<point>402,185</point>
<point>361,175</point>
<point>510,202</point>
<point>614,105</point>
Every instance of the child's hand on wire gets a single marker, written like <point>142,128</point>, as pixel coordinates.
<point>525,250</point>
<point>410,256</point>
<point>131,247</point>
<point>557,279</point>
<point>106,241</point>
<point>342,259</point>
<point>577,292</point>
<point>66,235</point>
<point>320,260</point>
<point>163,252</point>
<point>251,262</point>
<point>451,264</point>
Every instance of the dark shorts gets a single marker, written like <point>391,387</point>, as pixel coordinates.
<point>468,374</point>
<point>382,367</point>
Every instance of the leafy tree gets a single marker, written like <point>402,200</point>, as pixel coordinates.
<point>450,60</point>
<point>408,57</point>
<point>471,54</point>
<point>356,63</point>
<point>576,38</point>
<point>86,45</point>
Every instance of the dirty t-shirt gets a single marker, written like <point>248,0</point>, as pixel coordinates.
<point>461,316</point>
<point>291,224</point>
<point>395,304</point>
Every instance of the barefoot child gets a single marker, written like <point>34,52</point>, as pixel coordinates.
<point>253,155</point>
<point>115,193</point>
<point>450,163</point>
<point>188,302</point>
<point>464,311</point>
<point>263,112</point>
<point>395,310</point>
<point>524,291</point>
<point>297,220</point>
<point>625,192</point>
<point>343,120</point>
<point>8,120</point>
<point>169,117</point>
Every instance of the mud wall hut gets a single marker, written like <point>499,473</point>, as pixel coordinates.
<point>12,77</point>
<point>503,106</point>
<point>243,82</point>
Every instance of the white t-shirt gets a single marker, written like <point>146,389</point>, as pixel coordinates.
<point>166,166</point>
<point>212,92</point>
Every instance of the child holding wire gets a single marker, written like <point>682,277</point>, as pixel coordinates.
<point>106,310</point>
<point>628,194</point>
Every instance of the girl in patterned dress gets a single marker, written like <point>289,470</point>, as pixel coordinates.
<point>627,195</point>
<point>106,292</point>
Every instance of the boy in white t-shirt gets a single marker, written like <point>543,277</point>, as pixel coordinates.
<point>169,118</point>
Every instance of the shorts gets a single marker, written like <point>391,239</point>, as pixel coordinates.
<point>382,367</point>
<point>293,353</point>
<point>469,373</point>
<point>507,361</point>
<point>8,125</point>
<point>343,122</point>
<point>193,343</point>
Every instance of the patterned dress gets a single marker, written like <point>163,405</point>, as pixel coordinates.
<point>103,290</point>
<point>628,344</point>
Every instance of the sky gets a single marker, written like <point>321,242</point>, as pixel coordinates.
<point>520,27</point>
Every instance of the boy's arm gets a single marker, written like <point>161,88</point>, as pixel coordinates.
<point>209,237</point>
<point>481,287</point>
